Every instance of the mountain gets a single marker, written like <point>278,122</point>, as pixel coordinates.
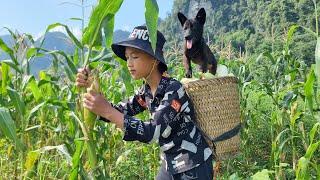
<point>56,41</point>
<point>120,35</point>
<point>52,41</point>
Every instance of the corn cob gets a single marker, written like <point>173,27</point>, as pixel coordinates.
<point>89,120</point>
<point>90,117</point>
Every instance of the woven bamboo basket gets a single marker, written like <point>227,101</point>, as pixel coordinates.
<point>217,110</point>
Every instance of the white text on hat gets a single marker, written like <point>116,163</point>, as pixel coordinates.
<point>139,34</point>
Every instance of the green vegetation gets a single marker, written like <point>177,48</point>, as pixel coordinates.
<point>43,133</point>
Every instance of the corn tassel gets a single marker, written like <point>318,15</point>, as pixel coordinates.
<point>89,120</point>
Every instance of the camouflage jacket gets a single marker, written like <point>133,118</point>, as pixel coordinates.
<point>182,145</point>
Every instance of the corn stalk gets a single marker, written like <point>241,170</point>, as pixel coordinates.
<point>102,18</point>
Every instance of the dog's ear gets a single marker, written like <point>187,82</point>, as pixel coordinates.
<point>201,16</point>
<point>182,18</point>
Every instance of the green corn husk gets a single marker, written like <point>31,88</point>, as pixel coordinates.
<point>89,120</point>
<point>90,117</point>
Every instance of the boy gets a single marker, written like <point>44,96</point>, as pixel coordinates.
<point>184,152</point>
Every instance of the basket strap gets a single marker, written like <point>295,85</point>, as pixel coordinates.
<point>195,122</point>
<point>215,156</point>
<point>229,134</point>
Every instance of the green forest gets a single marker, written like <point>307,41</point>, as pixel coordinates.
<point>272,47</point>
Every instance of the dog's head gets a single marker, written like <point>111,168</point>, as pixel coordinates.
<point>193,28</point>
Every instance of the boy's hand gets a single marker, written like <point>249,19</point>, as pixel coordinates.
<point>82,78</point>
<point>97,104</point>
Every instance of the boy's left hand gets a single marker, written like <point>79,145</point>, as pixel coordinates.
<point>97,104</point>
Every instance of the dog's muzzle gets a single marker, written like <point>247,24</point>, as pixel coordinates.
<point>189,37</point>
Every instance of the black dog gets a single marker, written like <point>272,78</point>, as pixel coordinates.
<point>195,48</point>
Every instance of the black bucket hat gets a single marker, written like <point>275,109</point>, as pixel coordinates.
<point>139,39</point>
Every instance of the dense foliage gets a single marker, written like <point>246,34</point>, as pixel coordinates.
<point>42,129</point>
<point>248,27</point>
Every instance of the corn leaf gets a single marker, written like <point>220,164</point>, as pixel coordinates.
<point>303,163</point>
<point>317,58</point>
<point>151,16</point>
<point>267,55</point>
<point>14,66</point>
<point>76,160</point>
<point>33,111</point>
<point>70,74</point>
<point>71,35</point>
<point>67,58</point>
<point>13,35</point>
<point>108,26</point>
<point>294,118</point>
<point>313,132</point>
<point>104,55</point>
<point>301,172</point>
<point>8,127</point>
<point>76,19</point>
<point>105,8</point>
<point>5,78</point>
<point>17,101</point>
<point>308,88</point>
<point>35,89</point>
<point>311,149</point>
<point>33,52</point>
<point>76,57</point>
<point>61,149</point>
<point>25,81</point>
<point>30,38</point>
<point>7,50</point>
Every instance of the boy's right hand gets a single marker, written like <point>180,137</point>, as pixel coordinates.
<point>82,78</point>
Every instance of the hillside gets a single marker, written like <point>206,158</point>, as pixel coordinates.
<point>248,26</point>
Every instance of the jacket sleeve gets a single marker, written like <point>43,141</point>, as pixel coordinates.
<point>134,105</point>
<point>164,120</point>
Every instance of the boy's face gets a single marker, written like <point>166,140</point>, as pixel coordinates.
<point>139,63</point>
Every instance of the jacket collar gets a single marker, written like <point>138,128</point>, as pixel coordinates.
<point>160,89</point>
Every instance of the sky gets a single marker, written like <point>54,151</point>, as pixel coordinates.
<point>33,16</point>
